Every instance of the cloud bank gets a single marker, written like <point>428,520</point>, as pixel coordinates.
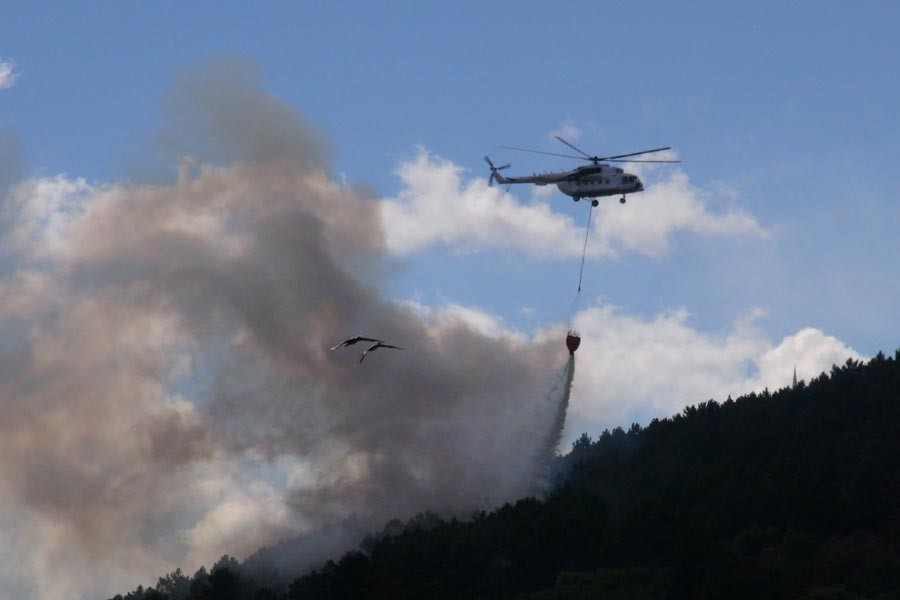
<point>439,205</point>
<point>646,367</point>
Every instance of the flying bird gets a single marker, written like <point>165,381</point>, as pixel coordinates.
<point>373,347</point>
<point>353,340</point>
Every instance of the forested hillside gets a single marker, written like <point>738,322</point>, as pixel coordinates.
<point>793,494</point>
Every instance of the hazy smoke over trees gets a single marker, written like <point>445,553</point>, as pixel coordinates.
<point>166,393</point>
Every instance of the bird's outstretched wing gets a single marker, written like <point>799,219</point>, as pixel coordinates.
<point>374,347</point>
<point>381,345</point>
<point>362,356</point>
<point>354,340</point>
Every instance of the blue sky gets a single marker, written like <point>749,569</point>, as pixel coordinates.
<point>792,105</point>
<point>775,242</point>
<point>773,82</point>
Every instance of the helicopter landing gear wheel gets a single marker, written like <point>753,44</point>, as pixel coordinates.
<point>576,198</point>
<point>595,203</point>
<point>622,200</point>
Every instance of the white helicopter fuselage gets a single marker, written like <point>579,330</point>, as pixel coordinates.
<point>602,181</point>
<point>589,181</point>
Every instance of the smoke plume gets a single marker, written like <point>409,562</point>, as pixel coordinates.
<point>167,393</point>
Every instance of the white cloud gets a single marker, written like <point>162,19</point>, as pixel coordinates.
<point>632,369</point>
<point>567,130</point>
<point>437,205</point>
<point>8,74</point>
<point>451,314</point>
<point>39,209</point>
<point>646,224</point>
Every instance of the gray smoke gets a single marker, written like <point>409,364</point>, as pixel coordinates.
<point>164,359</point>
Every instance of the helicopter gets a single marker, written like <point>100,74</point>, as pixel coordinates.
<point>588,181</point>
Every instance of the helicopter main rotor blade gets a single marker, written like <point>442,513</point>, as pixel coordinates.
<point>597,159</point>
<point>641,161</point>
<point>547,153</point>
<point>586,155</point>
<point>635,153</point>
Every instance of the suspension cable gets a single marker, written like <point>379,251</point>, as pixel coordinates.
<point>587,232</point>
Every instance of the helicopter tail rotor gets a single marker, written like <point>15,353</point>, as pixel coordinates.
<point>495,176</point>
